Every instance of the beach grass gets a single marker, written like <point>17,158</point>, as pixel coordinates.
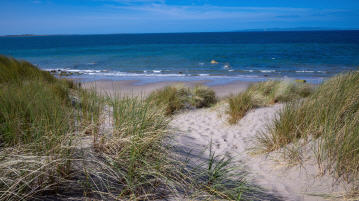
<point>177,98</point>
<point>135,158</point>
<point>38,118</point>
<point>141,155</point>
<point>33,104</point>
<point>203,96</point>
<point>216,178</point>
<point>12,70</point>
<point>329,118</point>
<point>264,94</point>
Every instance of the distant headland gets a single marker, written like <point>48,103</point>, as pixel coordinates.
<point>23,35</point>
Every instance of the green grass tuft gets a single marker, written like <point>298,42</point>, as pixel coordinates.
<point>33,104</point>
<point>176,98</point>
<point>135,150</point>
<point>31,110</point>
<point>264,94</point>
<point>12,70</point>
<point>203,97</point>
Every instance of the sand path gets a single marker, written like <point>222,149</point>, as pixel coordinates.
<point>195,129</point>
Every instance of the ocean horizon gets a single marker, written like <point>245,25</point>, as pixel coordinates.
<point>219,57</point>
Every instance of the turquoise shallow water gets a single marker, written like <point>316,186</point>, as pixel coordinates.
<point>248,56</point>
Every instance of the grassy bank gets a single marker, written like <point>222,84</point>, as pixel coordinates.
<point>39,116</point>
<point>329,118</point>
<point>264,94</point>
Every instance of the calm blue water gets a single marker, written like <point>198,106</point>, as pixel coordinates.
<point>248,56</point>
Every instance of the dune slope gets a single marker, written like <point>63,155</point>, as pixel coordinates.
<point>196,129</point>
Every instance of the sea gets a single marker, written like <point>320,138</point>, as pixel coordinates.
<point>218,57</point>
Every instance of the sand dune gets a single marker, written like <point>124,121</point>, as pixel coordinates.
<point>195,129</point>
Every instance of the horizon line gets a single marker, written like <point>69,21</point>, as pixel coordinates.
<point>245,30</point>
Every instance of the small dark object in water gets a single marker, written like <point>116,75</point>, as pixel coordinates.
<point>265,75</point>
<point>301,81</point>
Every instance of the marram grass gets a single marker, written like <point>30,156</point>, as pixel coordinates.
<point>330,117</point>
<point>38,120</point>
<point>176,98</point>
<point>33,104</point>
<point>264,94</point>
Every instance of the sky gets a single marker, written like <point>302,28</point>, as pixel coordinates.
<point>165,16</point>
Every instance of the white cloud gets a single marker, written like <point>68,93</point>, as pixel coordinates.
<point>171,12</point>
<point>159,10</point>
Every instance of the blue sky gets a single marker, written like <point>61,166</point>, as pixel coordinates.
<point>148,16</point>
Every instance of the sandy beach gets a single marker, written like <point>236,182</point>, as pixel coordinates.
<point>131,87</point>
